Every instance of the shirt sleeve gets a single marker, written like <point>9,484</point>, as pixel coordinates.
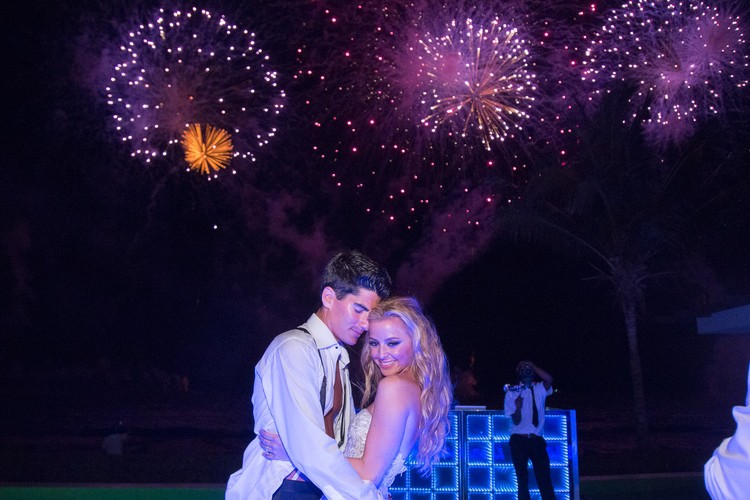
<point>292,388</point>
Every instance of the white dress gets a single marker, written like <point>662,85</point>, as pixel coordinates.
<point>355,448</point>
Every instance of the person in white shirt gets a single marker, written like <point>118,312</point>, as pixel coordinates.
<point>525,404</point>
<point>302,392</point>
<point>727,472</point>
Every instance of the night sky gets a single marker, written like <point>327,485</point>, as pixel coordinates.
<point>107,257</point>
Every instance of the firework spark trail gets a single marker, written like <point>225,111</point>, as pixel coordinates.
<point>689,60</point>
<point>191,67</point>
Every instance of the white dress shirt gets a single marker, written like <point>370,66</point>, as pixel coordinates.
<point>526,426</point>
<point>286,400</point>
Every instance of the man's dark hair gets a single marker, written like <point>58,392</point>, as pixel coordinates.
<point>348,271</point>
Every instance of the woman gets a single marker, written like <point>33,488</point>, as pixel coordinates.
<point>406,397</point>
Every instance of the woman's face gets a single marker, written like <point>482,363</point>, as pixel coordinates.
<point>391,346</point>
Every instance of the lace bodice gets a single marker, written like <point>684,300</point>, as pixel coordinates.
<point>355,447</point>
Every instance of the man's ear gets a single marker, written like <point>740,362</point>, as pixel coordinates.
<point>327,297</point>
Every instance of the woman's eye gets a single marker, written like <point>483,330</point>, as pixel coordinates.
<point>393,344</point>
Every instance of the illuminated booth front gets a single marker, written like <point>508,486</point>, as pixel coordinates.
<point>478,464</point>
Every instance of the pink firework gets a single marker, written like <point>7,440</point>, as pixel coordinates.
<point>426,98</point>
<point>474,80</point>
<point>454,75</point>
<point>688,61</point>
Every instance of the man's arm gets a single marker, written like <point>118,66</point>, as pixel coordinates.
<point>546,377</point>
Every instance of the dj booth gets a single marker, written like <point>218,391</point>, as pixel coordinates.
<point>478,464</point>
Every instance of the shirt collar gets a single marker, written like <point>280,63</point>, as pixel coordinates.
<point>324,338</point>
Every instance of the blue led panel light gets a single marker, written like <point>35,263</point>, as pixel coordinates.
<point>478,466</point>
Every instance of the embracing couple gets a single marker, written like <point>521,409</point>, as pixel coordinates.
<point>310,440</point>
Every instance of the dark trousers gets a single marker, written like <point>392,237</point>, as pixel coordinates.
<point>524,448</point>
<point>297,490</point>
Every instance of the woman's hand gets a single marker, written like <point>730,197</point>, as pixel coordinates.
<point>271,445</point>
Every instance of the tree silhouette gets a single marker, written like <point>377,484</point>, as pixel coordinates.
<point>636,216</point>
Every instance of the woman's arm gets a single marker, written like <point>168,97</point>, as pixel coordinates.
<point>395,412</point>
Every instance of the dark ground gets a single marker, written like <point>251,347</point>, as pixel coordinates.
<point>177,436</point>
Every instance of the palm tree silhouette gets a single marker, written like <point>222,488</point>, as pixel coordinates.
<point>633,214</point>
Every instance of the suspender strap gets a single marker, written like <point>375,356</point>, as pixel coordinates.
<point>338,399</point>
<point>323,385</point>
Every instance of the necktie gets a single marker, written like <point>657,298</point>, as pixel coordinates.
<point>535,415</point>
<point>338,397</point>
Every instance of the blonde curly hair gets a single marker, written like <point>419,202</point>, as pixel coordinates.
<point>430,369</point>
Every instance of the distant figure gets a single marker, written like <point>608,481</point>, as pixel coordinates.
<point>525,403</point>
<point>114,444</point>
<point>465,384</point>
<point>727,472</point>
<point>466,387</point>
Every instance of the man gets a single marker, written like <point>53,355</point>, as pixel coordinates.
<point>524,403</point>
<point>300,394</point>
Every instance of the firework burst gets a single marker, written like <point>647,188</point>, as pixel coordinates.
<point>191,67</point>
<point>207,150</point>
<point>688,60</point>
<point>475,79</point>
<point>425,98</point>
<point>454,76</point>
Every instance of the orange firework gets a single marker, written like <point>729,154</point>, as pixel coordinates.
<point>212,153</point>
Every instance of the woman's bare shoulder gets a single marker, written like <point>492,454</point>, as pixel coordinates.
<point>398,387</point>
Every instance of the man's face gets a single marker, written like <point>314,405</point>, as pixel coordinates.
<point>347,318</point>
